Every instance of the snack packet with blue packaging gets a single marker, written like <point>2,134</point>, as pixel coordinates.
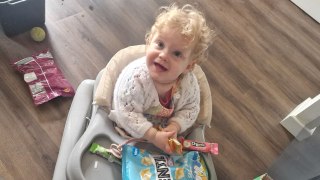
<point>140,164</point>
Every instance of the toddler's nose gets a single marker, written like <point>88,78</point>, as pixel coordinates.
<point>164,55</point>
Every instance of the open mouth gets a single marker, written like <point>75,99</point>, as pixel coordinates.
<point>160,67</point>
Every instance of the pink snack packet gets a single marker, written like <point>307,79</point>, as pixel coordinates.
<point>199,146</point>
<point>44,78</point>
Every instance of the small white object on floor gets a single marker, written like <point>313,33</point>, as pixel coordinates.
<point>304,119</point>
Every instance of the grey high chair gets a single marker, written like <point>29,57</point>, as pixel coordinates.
<point>88,122</point>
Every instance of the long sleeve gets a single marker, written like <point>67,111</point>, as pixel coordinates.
<point>132,94</point>
<point>135,93</point>
<point>187,102</point>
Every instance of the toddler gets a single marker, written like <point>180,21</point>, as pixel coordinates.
<point>157,96</point>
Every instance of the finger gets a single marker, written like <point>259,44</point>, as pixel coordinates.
<point>174,135</point>
<point>170,133</point>
<point>168,149</point>
<point>165,130</point>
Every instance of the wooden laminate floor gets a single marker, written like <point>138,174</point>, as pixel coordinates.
<point>264,61</point>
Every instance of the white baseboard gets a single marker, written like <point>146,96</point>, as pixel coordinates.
<point>311,7</point>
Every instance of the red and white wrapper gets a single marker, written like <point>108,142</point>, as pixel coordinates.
<point>205,147</point>
<point>44,78</point>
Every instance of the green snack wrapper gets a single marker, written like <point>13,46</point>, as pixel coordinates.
<point>102,151</point>
<point>263,177</point>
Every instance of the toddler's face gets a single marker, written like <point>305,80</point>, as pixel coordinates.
<point>168,55</point>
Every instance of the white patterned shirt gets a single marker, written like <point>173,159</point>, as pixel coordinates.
<point>135,94</point>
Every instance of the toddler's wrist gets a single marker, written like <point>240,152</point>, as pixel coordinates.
<point>150,135</point>
<point>175,125</point>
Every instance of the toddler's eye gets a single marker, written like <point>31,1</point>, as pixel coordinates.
<point>159,44</point>
<point>177,53</point>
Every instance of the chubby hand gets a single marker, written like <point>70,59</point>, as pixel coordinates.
<point>159,139</point>
<point>172,127</point>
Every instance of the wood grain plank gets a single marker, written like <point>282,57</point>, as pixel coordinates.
<point>264,61</point>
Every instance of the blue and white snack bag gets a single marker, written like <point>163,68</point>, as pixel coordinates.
<point>140,164</point>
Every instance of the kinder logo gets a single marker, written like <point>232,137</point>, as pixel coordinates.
<point>163,171</point>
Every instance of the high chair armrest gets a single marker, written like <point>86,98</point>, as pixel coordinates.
<point>75,125</point>
<point>100,126</point>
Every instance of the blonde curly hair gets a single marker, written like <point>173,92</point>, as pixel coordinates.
<point>190,23</point>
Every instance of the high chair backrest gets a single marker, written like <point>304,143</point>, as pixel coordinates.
<point>104,91</point>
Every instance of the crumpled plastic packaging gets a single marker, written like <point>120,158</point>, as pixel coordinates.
<point>44,78</point>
